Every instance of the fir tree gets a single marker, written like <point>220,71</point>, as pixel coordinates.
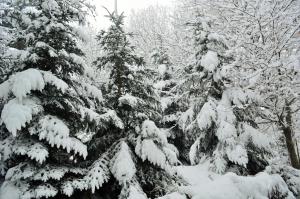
<point>221,117</point>
<point>139,156</point>
<point>165,84</point>
<point>50,108</point>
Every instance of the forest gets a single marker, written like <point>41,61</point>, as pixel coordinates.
<point>197,101</point>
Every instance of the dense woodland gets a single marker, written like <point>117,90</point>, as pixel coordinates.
<point>197,101</point>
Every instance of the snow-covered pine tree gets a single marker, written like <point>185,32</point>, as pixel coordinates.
<point>165,84</point>
<point>221,117</point>
<point>8,61</point>
<point>137,161</point>
<point>50,108</point>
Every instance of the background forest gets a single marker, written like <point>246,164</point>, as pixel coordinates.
<point>197,101</point>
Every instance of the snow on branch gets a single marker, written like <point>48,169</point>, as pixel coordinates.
<point>53,80</point>
<point>254,136</point>
<point>123,167</point>
<point>22,83</point>
<point>152,145</point>
<point>207,115</point>
<point>16,114</point>
<point>150,130</point>
<point>136,193</point>
<point>102,119</point>
<point>56,133</point>
<point>210,61</point>
<point>35,151</point>
<point>92,91</point>
<point>97,174</point>
<point>130,100</point>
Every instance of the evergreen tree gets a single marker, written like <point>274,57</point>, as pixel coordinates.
<point>165,84</point>
<point>139,156</point>
<point>221,117</point>
<point>50,108</point>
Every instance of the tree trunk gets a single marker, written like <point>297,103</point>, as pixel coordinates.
<point>291,147</point>
<point>297,149</point>
<point>288,133</point>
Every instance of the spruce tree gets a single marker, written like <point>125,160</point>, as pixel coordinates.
<point>138,160</point>
<point>171,106</point>
<point>50,109</point>
<point>221,117</point>
<point>164,81</point>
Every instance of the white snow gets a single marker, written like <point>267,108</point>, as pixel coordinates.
<point>31,10</point>
<point>33,150</point>
<point>129,100</point>
<point>22,83</point>
<point>219,163</point>
<point>159,85</point>
<point>46,173</point>
<point>207,115</point>
<point>238,155</point>
<point>85,136</point>
<point>162,69</point>
<point>41,44</point>
<point>93,91</point>
<point>259,139</point>
<point>53,80</point>
<point>165,102</point>
<point>56,133</point>
<point>135,194</point>
<point>21,171</point>
<point>216,36</point>
<point>97,175</point>
<point>226,132</point>
<point>50,5</point>
<point>16,114</point>
<point>67,189</point>
<point>4,90</point>
<point>171,154</point>
<point>123,167</point>
<point>6,148</point>
<point>9,191</point>
<point>210,61</point>
<point>77,59</point>
<point>15,53</point>
<point>34,57</point>
<point>52,53</point>
<point>149,129</point>
<point>186,118</point>
<point>193,151</point>
<point>152,145</point>
<point>46,191</point>
<point>206,184</point>
<point>102,120</point>
<point>112,115</point>
<point>148,150</point>
<point>26,81</point>
<point>236,95</point>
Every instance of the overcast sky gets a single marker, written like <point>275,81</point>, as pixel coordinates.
<point>125,6</point>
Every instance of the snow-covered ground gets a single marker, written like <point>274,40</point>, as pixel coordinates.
<point>205,184</point>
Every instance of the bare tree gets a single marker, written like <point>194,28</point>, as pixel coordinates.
<point>263,35</point>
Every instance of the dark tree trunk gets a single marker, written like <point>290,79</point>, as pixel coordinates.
<point>291,147</point>
<point>288,133</point>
